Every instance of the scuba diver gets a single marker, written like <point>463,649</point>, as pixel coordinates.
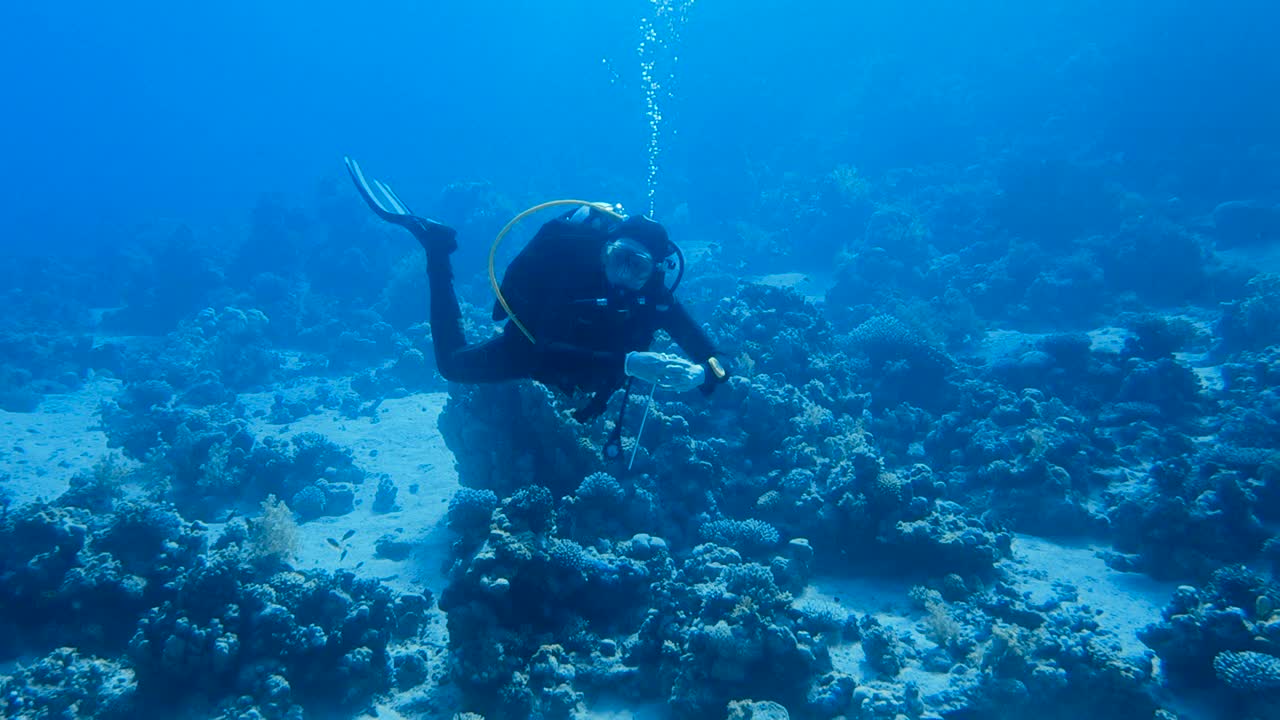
<point>582,302</point>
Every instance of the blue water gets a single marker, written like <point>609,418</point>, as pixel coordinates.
<point>116,114</point>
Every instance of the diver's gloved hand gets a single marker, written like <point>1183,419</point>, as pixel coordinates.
<point>666,371</point>
<point>435,237</point>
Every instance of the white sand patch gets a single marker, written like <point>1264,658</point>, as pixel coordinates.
<point>1108,339</point>
<point>1041,570</point>
<point>41,451</point>
<point>1210,378</point>
<point>874,596</point>
<point>403,442</point>
<point>1124,603</point>
<point>813,287</point>
<point>1264,258</point>
<point>887,600</point>
<point>1008,345</point>
<point>1001,344</point>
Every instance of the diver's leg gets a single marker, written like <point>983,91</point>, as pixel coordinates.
<point>494,360</point>
<point>489,361</point>
<point>446,315</point>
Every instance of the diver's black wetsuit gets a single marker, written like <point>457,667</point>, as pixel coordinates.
<point>583,328</point>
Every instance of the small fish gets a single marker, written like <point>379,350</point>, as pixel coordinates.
<point>343,556</point>
<point>333,542</point>
<point>231,516</point>
<point>359,564</point>
<point>348,535</point>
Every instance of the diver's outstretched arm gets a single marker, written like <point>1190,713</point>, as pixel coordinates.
<point>436,237</point>
<point>694,341</point>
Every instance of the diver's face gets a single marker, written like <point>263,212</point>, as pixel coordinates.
<point>627,264</point>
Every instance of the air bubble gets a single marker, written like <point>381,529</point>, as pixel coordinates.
<point>659,34</point>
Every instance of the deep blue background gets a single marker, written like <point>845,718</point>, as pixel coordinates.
<point>118,114</point>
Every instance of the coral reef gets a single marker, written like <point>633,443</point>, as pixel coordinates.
<point>186,620</point>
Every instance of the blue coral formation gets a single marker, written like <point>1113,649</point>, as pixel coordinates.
<point>64,683</point>
<point>170,620</point>
<point>1248,671</point>
<point>209,458</point>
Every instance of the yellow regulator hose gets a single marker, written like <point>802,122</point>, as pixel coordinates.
<point>493,251</point>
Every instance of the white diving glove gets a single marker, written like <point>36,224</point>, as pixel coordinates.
<point>668,372</point>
